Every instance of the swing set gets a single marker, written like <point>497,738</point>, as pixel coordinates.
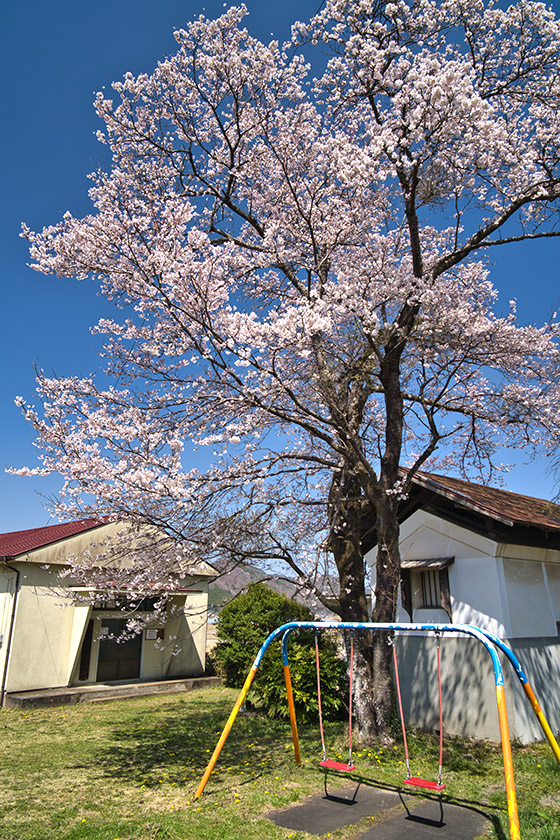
<point>488,640</point>
<point>332,764</point>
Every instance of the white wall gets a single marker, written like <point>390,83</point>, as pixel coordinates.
<point>424,536</point>
<point>476,587</point>
<point>509,590</point>
<point>8,580</point>
<point>42,633</point>
<point>552,572</point>
<point>528,600</point>
<point>475,578</point>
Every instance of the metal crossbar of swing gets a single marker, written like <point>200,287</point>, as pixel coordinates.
<point>488,640</point>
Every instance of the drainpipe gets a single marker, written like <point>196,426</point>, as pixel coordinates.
<point>10,632</point>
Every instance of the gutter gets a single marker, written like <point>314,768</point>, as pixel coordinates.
<point>10,632</point>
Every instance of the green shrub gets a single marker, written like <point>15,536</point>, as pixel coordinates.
<point>270,689</point>
<point>242,627</point>
<point>244,624</point>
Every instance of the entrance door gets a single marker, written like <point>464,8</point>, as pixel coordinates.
<point>118,660</point>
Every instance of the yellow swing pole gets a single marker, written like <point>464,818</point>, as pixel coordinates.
<point>243,694</point>
<point>226,731</point>
<point>514,829</point>
<point>542,720</point>
<point>522,677</point>
<point>291,707</point>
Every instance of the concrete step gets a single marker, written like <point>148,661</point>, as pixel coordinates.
<point>99,693</point>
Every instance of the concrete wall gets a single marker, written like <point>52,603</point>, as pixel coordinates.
<point>540,659</point>
<point>42,633</point>
<point>468,687</point>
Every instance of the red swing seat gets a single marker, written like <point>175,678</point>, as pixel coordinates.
<point>416,781</point>
<point>331,764</point>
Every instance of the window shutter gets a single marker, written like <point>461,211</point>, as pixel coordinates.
<point>444,591</point>
<point>406,591</point>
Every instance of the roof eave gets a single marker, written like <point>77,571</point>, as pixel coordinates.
<point>464,501</point>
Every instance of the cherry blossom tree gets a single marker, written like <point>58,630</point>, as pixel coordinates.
<point>300,273</point>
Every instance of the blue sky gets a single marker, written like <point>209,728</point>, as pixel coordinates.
<point>54,57</point>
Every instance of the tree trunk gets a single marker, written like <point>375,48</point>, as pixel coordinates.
<point>372,675</point>
<point>387,526</point>
<point>386,593</point>
<point>347,525</point>
<point>352,502</point>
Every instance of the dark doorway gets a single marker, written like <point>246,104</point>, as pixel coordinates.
<point>118,660</point>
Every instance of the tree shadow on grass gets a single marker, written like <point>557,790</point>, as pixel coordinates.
<point>172,745</point>
<point>175,745</point>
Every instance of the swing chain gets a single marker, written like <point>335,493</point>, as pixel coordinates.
<point>319,703</point>
<point>350,702</point>
<point>438,638</point>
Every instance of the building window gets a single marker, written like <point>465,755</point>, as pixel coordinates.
<point>425,585</point>
<point>429,588</point>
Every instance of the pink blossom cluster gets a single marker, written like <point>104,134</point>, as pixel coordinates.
<point>300,277</point>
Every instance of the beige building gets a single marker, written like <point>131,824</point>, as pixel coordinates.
<point>52,636</point>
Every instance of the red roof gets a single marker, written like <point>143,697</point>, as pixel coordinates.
<point>20,542</point>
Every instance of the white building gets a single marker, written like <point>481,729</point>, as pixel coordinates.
<point>489,557</point>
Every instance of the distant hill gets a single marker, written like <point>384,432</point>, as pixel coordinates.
<point>237,580</point>
<point>231,583</point>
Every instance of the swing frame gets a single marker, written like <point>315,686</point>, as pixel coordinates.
<point>488,640</point>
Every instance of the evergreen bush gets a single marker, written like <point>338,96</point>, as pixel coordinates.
<point>242,627</point>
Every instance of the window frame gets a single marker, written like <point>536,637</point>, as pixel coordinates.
<point>439,566</point>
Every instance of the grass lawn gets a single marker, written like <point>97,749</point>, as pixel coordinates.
<point>127,770</point>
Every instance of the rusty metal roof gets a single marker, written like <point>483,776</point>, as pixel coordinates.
<point>502,505</point>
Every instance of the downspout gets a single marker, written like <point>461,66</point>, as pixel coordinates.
<point>10,631</point>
